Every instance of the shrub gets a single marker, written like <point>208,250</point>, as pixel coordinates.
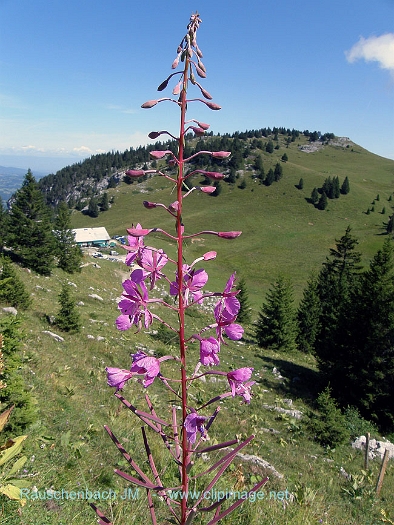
<point>329,426</point>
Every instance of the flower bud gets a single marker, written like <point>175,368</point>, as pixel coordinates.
<point>174,206</point>
<point>207,189</point>
<point>176,62</point>
<point>229,235</point>
<point>221,154</point>
<point>177,89</point>
<point>158,154</point>
<point>154,134</point>
<point>202,125</point>
<point>209,256</point>
<point>205,93</point>
<point>212,105</point>
<point>149,205</point>
<point>149,104</point>
<point>135,173</point>
<point>198,131</point>
<point>200,72</point>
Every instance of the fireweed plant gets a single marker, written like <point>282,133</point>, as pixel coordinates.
<point>184,440</point>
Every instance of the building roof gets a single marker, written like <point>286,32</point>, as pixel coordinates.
<point>87,235</point>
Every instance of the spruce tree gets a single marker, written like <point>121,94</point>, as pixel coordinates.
<point>276,324</point>
<point>244,315</point>
<point>323,202</point>
<point>315,196</point>
<point>93,209</point>
<point>30,229</point>
<point>337,281</point>
<point>15,392</point>
<point>365,377</point>
<point>67,318</point>
<point>345,188</point>
<point>308,317</point>
<point>12,289</point>
<point>69,254</point>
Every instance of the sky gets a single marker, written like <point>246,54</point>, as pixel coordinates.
<point>73,75</point>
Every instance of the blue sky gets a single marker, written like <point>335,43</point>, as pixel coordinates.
<point>74,74</point>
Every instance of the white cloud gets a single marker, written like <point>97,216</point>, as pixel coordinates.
<point>375,48</point>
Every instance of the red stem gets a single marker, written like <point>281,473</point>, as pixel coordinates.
<point>182,345</point>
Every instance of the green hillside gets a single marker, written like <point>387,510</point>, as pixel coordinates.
<point>282,231</point>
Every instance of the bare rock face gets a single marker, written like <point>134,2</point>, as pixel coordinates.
<point>55,336</point>
<point>10,310</point>
<point>377,448</point>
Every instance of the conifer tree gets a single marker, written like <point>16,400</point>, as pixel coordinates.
<point>365,375</point>
<point>30,229</point>
<point>276,324</point>
<point>69,254</point>
<point>345,188</point>
<point>67,318</point>
<point>308,317</point>
<point>315,196</point>
<point>323,202</point>
<point>93,209</point>
<point>14,392</point>
<point>244,315</point>
<point>337,281</point>
<point>12,289</point>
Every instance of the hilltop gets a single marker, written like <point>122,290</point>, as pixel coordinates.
<point>283,232</point>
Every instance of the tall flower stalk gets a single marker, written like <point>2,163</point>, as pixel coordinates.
<point>183,440</point>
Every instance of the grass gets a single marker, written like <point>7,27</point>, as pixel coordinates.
<point>68,449</point>
<point>282,231</point>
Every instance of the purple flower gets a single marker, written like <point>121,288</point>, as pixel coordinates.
<point>134,247</point>
<point>133,306</point>
<point>209,349</point>
<point>145,365</point>
<point>117,377</point>
<point>152,261</point>
<point>237,383</point>
<point>193,281</point>
<point>193,424</point>
<point>226,311</point>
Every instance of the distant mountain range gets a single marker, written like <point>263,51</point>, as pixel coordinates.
<point>11,179</point>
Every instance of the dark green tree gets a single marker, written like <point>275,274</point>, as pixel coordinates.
<point>329,425</point>
<point>336,190</point>
<point>68,318</point>
<point>308,317</point>
<point>300,185</point>
<point>285,158</point>
<point>69,254</point>
<point>345,188</point>
<point>269,148</point>
<point>104,202</point>
<point>244,315</point>
<point>323,202</point>
<point>390,224</point>
<point>15,391</point>
<point>93,209</point>
<point>278,171</point>
<point>364,376</point>
<point>337,280</point>
<point>315,196</point>
<point>12,289</point>
<point>30,234</point>
<point>276,325</point>
<point>270,178</point>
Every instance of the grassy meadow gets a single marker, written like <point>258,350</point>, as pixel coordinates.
<point>68,449</point>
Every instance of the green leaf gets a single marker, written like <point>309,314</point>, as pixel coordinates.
<point>17,465</point>
<point>13,450</point>
<point>12,492</point>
